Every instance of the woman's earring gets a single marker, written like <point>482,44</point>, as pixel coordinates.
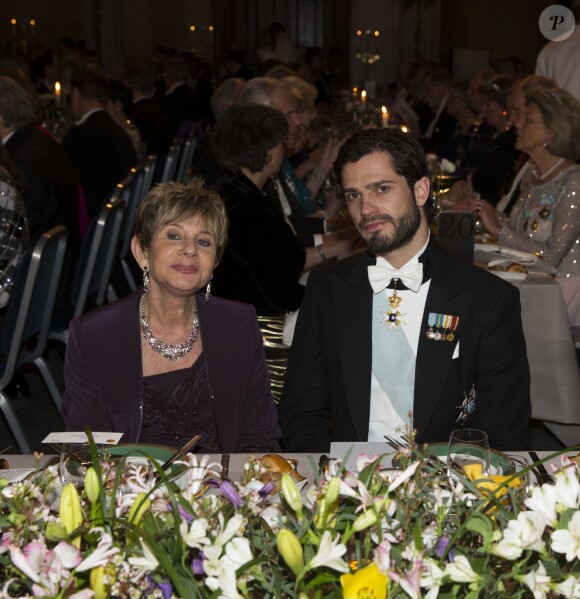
<point>208,293</point>
<point>145,280</point>
<point>546,143</point>
<point>268,158</point>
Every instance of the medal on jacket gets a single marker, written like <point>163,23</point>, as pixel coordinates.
<point>394,317</point>
<point>430,334</point>
<point>467,406</point>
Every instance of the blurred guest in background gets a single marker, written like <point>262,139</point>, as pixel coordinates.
<point>546,218</point>
<point>118,104</point>
<point>170,362</point>
<point>49,180</point>
<point>14,237</point>
<point>100,150</point>
<point>144,110</point>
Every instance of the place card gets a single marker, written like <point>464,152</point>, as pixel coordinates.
<point>81,437</point>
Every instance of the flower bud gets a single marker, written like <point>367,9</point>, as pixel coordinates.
<point>53,532</point>
<point>98,585</point>
<point>365,520</point>
<point>290,549</point>
<point>70,511</point>
<point>92,485</point>
<point>141,504</point>
<point>332,490</point>
<point>291,493</point>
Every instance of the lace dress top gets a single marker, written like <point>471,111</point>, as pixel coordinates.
<point>546,221</point>
<point>176,406</point>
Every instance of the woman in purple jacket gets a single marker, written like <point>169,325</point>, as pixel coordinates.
<point>167,363</point>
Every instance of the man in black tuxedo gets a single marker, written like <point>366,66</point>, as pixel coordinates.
<point>145,111</point>
<point>50,183</point>
<point>101,151</point>
<point>403,334</point>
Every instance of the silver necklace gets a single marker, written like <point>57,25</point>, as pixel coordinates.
<point>168,350</point>
<point>549,171</point>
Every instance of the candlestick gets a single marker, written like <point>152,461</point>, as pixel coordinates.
<point>384,117</point>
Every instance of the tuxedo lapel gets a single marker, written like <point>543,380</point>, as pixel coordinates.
<point>434,358</point>
<point>353,300</point>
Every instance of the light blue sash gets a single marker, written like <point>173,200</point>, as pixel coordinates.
<point>393,358</point>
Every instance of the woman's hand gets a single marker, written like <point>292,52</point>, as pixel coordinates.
<point>486,214</point>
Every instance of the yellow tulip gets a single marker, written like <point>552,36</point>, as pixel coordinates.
<point>290,549</point>
<point>367,583</point>
<point>70,511</point>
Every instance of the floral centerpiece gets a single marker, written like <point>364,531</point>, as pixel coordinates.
<point>368,533</point>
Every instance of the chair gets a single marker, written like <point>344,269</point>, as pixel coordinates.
<point>149,170</point>
<point>130,190</point>
<point>28,320</point>
<point>185,157</point>
<point>95,263</point>
<point>171,161</point>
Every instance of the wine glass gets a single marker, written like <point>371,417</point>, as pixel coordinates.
<point>468,446</point>
<point>75,460</point>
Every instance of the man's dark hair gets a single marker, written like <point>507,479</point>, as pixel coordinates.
<point>406,154</point>
<point>141,78</point>
<point>245,134</point>
<point>91,83</point>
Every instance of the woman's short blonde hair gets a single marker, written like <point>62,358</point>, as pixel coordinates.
<point>170,203</point>
<point>561,114</point>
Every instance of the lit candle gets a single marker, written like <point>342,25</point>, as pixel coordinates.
<point>384,117</point>
<point>363,97</point>
<point>404,129</point>
<point>13,27</point>
<point>32,28</point>
<point>355,91</point>
<point>57,93</point>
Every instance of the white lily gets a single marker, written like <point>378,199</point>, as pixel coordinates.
<point>568,540</point>
<point>570,588</point>
<point>234,526</point>
<point>431,578</point>
<point>329,554</point>
<point>101,555</point>
<point>523,533</point>
<point>383,556</point>
<point>538,582</point>
<point>543,501</point>
<point>364,459</point>
<point>211,562</point>
<point>196,535</point>
<point>197,471</point>
<point>567,485</point>
<point>460,570</point>
<point>145,564</point>
<point>406,474</point>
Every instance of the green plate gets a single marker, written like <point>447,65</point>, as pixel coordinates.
<point>500,462</point>
<point>160,453</point>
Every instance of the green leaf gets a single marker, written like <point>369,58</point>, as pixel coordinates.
<point>480,524</point>
<point>417,536</point>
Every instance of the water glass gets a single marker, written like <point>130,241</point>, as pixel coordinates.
<point>468,446</point>
<point>75,460</point>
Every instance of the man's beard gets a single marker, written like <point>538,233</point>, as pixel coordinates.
<point>404,229</point>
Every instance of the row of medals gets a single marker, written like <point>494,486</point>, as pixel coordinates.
<point>439,335</point>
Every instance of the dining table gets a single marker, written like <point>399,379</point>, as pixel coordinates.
<point>554,372</point>
<point>307,464</point>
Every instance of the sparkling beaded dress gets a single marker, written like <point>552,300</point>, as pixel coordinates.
<point>14,238</point>
<point>546,221</point>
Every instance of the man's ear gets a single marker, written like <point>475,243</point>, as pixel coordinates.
<point>421,189</point>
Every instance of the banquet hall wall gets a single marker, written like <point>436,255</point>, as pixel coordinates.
<point>130,28</point>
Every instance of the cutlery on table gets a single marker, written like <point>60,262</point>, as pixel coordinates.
<point>181,452</point>
<point>545,476</point>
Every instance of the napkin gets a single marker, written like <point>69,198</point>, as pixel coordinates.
<point>520,257</point>
<point>14,475</point>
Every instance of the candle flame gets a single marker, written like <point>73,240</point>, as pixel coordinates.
<point>57,87</point>
<point>192,27</point>
<point>13,21</point>
<point>376,33</point>
<point>358,32</point>
<point>404,129</point>
<point>32,22</point>
<point>210,27</point>
<point>384,110</point>
<point>363,94</point>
